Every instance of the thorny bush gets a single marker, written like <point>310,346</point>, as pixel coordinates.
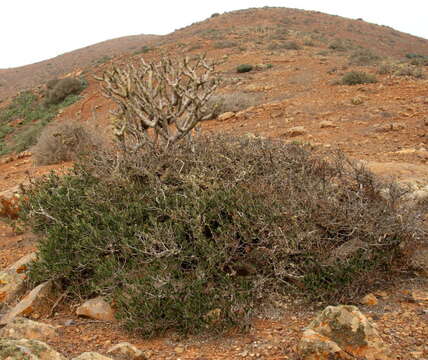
<point>201,236</point>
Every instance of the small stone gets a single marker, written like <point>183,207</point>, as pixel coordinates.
<point>179,349</point>
<point>369,300</point>
<point>125,351</point>
<point>296,131</point>
<point>327,124</point>
<point>357,101</point>
<point>226,116</point>
<point>97,309</point>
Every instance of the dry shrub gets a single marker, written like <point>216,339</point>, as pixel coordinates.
<point>200,236</point>
<point>234,102</point>
<point>64,141</point>
<point>362,57</point>
<point>60,89</point>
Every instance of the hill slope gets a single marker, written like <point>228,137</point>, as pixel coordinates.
<point>26,77</point>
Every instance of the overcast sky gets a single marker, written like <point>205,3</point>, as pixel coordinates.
<point>32,31</point>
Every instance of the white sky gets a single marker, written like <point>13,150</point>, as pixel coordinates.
<point>32,31</point>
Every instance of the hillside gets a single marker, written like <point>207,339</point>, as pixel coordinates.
<point>294,93</point>
<point>26,77</point>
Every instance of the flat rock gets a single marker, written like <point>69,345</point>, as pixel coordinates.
<point>20,328</point>
<point>25,349</point>
<point>226,116</point>
<point>125,351</point>
<point>34,301</point>
<point>97,309</point>
<point>296,131</point>
<point>91,356</point>
<point>342,332</point>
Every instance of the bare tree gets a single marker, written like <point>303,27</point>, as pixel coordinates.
<point>159,102</point>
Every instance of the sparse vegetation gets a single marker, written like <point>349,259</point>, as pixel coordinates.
<point>102,60</point>
<point>243,68</point>
<point>28,115</point>
<point>357,77</point>
<point>202,236</point>
<point>225,44</point>
<point>65,141</point>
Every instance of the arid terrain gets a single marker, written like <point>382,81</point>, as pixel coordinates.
<point>292,94</point>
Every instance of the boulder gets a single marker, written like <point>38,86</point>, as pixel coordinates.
<point>97,309</point>
<point>11,349</point>
<point>20,328</point>
<point>342,333</point>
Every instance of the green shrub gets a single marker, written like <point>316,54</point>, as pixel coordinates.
<point>215,15</point>
<point>62,89</point>
<point>357,77</point>
<point>199,237</point>
<point>64,141</point>
<point>243,68</point>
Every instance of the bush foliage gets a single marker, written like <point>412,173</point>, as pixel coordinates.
<point>201,235</point>
<point>243,68</point>
<point>62,88</point>
<point>64,141</point>
<point>357,77</point>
